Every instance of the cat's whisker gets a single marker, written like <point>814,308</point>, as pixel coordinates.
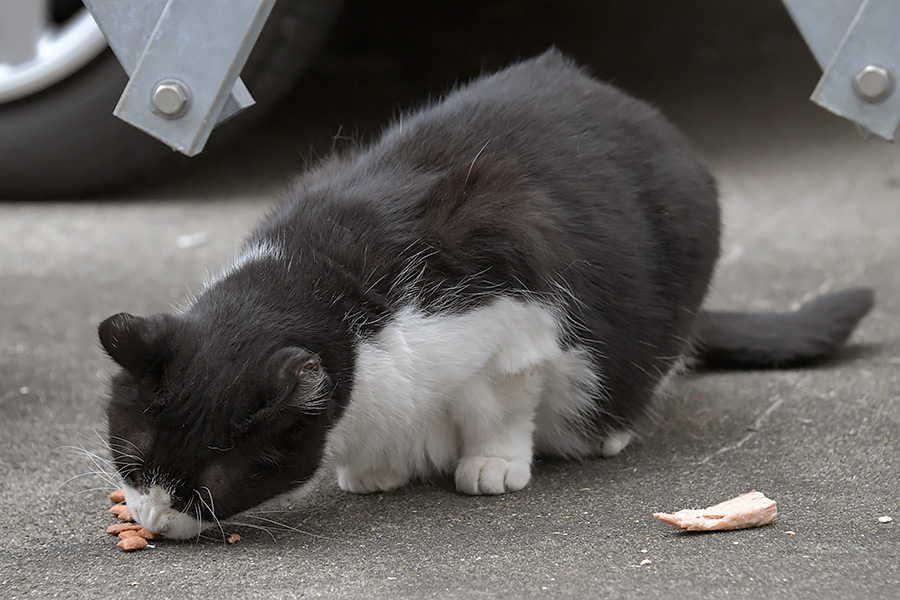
<point>187,505</point>
<point>287,527</point>
<point>102,466</point>
<point>119,453</point>
<point>82,475</point>
<point>95,489</point>
<point>102,469</point>
<point>472,165</point>
<point>207,536</point>
<point>211,507</point>
<point>136,459</point>
<point>250,526</point>
<point>125,473</point>
<point>127,443</point>
<point>81,451</point>
<point>103,443</point>
<point>121,456</point>
<point>100,441</point>
<point>198,514</point>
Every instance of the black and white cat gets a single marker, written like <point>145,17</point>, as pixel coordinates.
<point>512,271</point>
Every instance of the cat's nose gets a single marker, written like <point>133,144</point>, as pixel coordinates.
<point>153,524</point>
<point>148,518</point>
<point>151,510</point>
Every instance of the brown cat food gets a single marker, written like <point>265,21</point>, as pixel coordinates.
<point>117,528</point>
<point>131,535</point>
<point>149,535</point>
<point>122,512</point>
<point>135,542</point>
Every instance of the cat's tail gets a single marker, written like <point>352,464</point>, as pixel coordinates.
<point>769,340</point>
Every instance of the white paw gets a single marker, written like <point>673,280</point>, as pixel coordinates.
<point>483,475</point>
<point>366,482</point>
<point>614,443</point>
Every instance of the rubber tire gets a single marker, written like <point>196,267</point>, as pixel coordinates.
<point>65,142</point>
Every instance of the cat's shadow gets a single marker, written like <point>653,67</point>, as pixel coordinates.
<point>431,507</point>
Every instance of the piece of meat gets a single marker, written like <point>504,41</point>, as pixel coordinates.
<point>234,538</point>
<point>752,509</point>
<point>117,497</point>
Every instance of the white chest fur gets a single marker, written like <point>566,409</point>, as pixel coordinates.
<point>463,391</point>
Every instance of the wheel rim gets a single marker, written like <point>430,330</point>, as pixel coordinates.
<point>36,51</point>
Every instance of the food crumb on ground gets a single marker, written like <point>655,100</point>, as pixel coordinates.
<point>234,538</point>
<point>884,519</point>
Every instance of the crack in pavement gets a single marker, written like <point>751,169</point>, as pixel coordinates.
<point>754,429</point>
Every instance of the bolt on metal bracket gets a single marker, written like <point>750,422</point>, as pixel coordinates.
<point>856,44</point>
<point>184,59</point>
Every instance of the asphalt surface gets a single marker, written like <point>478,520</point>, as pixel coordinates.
<point>809,207</point>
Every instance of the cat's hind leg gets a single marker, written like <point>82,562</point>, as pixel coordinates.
<point>495,418</point>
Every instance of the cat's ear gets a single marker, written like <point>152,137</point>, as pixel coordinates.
<point>298,387</point>
<point>299,375</point>
<point>138,344</point>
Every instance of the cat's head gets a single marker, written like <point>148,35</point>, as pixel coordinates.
<point>203,426</point>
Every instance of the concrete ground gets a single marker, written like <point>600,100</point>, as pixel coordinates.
<point>808,206</point>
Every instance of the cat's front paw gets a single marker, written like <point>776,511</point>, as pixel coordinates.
<point>490,475</point>
<point>366,482</point>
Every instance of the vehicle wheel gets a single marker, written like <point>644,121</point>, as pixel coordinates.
<point>59,84</point>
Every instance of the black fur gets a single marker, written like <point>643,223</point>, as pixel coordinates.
<point>812,332</point>
<point>536,182</point>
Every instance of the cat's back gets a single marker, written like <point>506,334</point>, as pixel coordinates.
<point>524,173</point>
<point>546,112</point>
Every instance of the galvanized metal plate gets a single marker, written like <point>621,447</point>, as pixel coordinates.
<point>199,44</point>
<point>856,43</point>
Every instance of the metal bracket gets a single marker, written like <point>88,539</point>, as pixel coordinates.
<point>856,44</point>
<point>183,58</point>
